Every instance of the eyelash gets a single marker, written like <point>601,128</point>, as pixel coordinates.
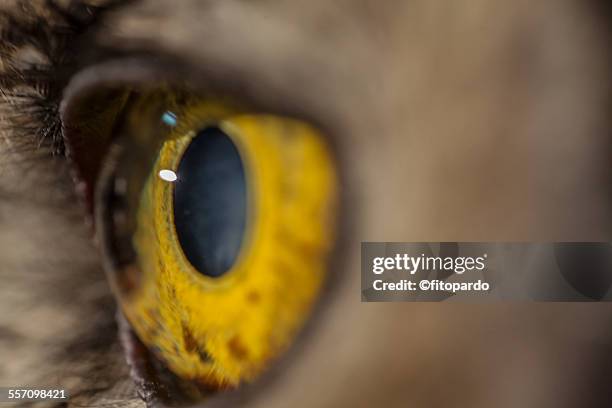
<point>37,63</point>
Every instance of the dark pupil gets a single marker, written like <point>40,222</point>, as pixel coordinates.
<point>210,202</point>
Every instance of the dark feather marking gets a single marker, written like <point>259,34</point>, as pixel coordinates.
<point>38,55</point>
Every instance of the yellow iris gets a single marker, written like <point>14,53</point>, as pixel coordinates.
<point>221,331</point>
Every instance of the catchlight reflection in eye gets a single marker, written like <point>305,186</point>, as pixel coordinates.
<point>233,230</point>
<point>167,175</point>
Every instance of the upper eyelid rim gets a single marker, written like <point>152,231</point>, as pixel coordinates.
<point>142,70</point>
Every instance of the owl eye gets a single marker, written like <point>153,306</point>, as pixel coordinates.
<point>216,221</point>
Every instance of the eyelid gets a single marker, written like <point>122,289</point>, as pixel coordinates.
<point>97,94</point>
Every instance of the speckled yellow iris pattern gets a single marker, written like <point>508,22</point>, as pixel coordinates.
<point>226,330</point>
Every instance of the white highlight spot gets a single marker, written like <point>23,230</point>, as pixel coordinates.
<point>168,175</point>
<point>169,118</point>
